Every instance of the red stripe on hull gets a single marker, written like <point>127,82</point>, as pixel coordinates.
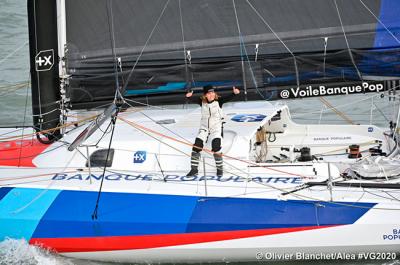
<point>90,244</point>
<point>20,153</point>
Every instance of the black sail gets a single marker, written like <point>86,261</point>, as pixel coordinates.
<point>258,44</point>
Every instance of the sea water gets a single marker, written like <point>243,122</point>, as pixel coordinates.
<point>15,109</point>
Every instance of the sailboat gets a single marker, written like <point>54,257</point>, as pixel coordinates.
<point>101,174</point>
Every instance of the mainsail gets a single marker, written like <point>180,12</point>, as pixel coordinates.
<point>169,46</point>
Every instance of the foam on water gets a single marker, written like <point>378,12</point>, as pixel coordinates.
<point>19,252</point>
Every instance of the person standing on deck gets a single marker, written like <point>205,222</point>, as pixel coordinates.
<point>210,126</point>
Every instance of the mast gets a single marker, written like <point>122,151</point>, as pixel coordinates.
<point>44,59</point>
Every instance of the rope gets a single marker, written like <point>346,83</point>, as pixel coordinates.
<point>380,22</point>
<point>277,36</point>
<point>352,103</point>
<point>339,113</point>
<point>23,127</point>
<point>142,128</point>
<point>205,149</point>
<point>241,50</point>
<point>12,88</point>
<point>270,186</point>
<point>94,214</point>
<point>347,43</point>
<point>144,46</point>
<point>184,47</point>
<point>110,20</point>
<point>15,51</point>
<point>244,50</point>
<point>48,130</point>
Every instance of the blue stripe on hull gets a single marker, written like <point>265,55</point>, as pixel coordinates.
<point>21,210</point>
<point>243,214</point>
<point>4,191</point>
<point>124,214</point>
<point>118,214</point>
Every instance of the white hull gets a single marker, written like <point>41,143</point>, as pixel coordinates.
<point>150,211</point>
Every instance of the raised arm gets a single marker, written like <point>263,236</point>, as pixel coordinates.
<point>235,91</point>
<point>195,100</point>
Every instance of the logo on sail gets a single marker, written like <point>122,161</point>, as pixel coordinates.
<point>44,60</point>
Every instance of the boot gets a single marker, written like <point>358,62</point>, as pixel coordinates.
<point>194,161</point>
<point>219,164</point>
<point>193,172</point>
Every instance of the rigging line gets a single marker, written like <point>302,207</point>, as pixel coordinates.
<point>184,45</point>
<point>104,133</point>
<point>396,130</point>
<point>347,43</point>
<point>45,189</point>
<point>136,125</point>
<point>10,132</point>
<point>380,22</point>
<point>144,104</point>
<point>51,129</point>
<point>383,114</point>
<point>13,88</point>
<point>23,127</point>
<point>180,151</point>
<point>337,107</point>
<point>277,36</point>
<point>241,51</point>
<point>13,52</point>
<point>113,121</point>
<point>391,197</point>
<point>34,176</point>
<point>36,51</point>
<point>252,73</point>
<point>46,113</point>
<point>339,113</point>
<point>66,125</point>
<point>171,131</point>
<point>324,64</point>
<point>110,20</point>
<point>172,147</point>
<point>32,156</point>
<point>144,46</point>
<point>19,85</point>
<point>388,193</point>
<point>166,128</point>
<point>143,129</point>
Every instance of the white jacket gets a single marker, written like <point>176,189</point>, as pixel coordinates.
<point>211,116</point>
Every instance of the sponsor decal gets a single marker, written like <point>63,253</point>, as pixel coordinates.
<point>310,91</point>
<point>139,157</point>
<point>176,178</point>
<point>370,129</point>
<point>44,60</point>
<point>392,235</point>
<point>248,117</point>
<point>332,138</point>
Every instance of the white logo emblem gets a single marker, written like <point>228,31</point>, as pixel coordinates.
<point>44,60</point>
